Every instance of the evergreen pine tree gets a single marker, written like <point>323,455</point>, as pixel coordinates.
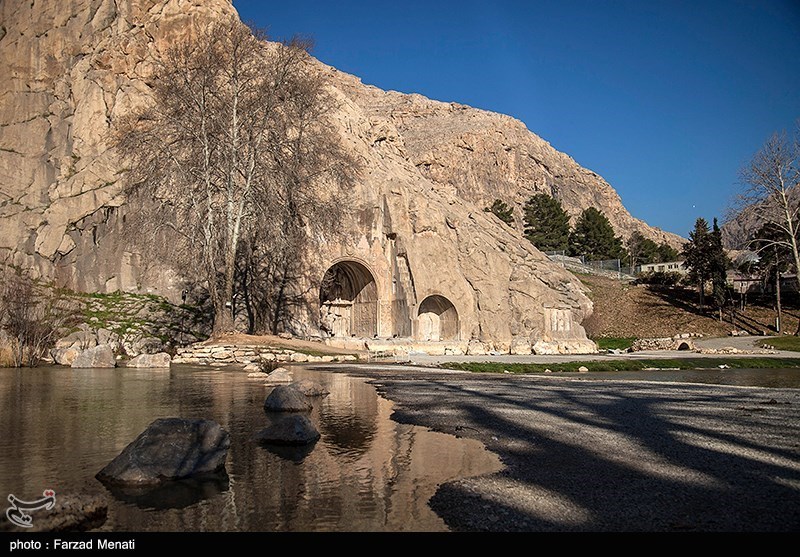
<point>718,268</point>
<point>705,259</point>
<point>502,211</point>
<point>641,250</point>
<point>546,223</point>
<point>593,237</point>
<point>666,253</point>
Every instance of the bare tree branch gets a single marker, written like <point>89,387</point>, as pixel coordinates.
<point>771,196</point>
<point>239,144</point>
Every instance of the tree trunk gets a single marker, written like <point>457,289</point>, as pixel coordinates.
<point>223,320</point>
<point>223,307</point>
<point>247,302</point>
<point>797,330</point>
<point>702,291</point>
<point>279,301</point>
<point>778,299</point>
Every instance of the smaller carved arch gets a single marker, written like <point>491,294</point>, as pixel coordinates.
<point>437,319</point>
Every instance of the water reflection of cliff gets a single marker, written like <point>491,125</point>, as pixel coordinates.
<point>366,473</point>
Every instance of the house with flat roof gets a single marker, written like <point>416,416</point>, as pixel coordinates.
<point>668,267</point>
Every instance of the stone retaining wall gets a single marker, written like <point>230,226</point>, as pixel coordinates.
<point>678,342</point>
<point>199,354</point>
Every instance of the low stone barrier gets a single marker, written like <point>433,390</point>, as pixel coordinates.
<point>200,354</point>
<point>678,342</point>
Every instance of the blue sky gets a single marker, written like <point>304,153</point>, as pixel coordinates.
<point>665,99</point>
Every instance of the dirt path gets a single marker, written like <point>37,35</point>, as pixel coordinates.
<point>747,345</point>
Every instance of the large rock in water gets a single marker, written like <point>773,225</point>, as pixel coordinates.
<point>279,375</point>
<point>160,360</point>
<point>285,398</point>
<point>100,356</point>
<point>65,356</point>
<point>170,449</point>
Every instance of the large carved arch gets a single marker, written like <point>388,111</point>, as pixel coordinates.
<point>348,299</point>
<point>437,319</point>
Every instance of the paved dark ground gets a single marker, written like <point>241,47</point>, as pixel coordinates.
<point>609,456</point>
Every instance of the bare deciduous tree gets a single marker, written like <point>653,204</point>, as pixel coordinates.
<point>237,141</point>
<point>770,203</point>
<point>771,196</point>
<point>32,317</point>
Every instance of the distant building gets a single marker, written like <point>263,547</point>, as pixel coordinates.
<point>744,283</point>
<point>751,284</point>
<point>668,267</point>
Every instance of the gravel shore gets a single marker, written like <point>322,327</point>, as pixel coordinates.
<point>609,456</point>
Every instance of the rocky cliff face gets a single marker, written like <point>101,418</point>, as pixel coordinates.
<point>481,156</point>
<point>441,267</point>
<point>69,69</point>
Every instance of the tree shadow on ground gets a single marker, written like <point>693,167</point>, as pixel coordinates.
<point>680,298</point>
<point>756,317</point>
<point>612,457</point>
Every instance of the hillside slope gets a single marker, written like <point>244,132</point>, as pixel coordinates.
<point>637,311</point>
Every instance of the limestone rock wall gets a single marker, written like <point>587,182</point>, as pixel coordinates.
<point>69,69</point>
<point>439,265</point>
<point>427,249</point>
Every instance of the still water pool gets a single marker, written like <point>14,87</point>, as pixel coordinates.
<point>59,427</point>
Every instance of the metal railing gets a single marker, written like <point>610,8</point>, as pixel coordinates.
<point>607,267</point>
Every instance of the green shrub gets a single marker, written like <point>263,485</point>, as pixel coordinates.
<point>614,343</point>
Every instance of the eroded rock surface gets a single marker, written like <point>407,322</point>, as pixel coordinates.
<point>100,356</point>
<point>159,360</point>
